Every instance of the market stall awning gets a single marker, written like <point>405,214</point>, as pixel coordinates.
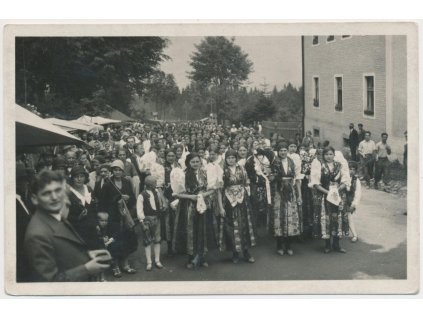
<point>72,125</point>
<point>32,130</point>
<point>96,120</point>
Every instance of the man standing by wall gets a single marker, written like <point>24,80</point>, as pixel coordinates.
<point>367,150</point>
<point>353,141</point>
<point>382,162</point>
<point>360,132</point>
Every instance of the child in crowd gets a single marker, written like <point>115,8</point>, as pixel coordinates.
<point>105,236</point>
<point>148,209</point>
<point>353,198</point>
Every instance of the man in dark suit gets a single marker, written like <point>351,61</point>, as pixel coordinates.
<point>361,132</point>
<point>129,146</point>
<point>353,141</point>
<point>54,250</point>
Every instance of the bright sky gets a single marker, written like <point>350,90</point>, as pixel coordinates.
<point>276,60</point>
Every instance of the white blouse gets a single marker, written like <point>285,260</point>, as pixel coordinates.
<point>177,180</point>
<point>85,198</point>
<point>158,172</point>
<point>214,176</point>
<point>297,162</point>
<point>316,173</point>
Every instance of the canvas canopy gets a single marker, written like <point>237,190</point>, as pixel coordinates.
<point>32,130</point>
<point>72,125</point>
<point>96,120</point>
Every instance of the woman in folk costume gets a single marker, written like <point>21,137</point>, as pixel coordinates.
<point>168,217</point>
<point>286,197</point>
<point>158,172</point>
<point>242,155</point>
<point>195,230</point>
<point>237,233</point>
<point>242,159</point>
<point>330,182</point>
<point>258,169</point>
<point>292,153</point>
<point>306,192</point>
<point>214,181</point>
<point>180,157</point>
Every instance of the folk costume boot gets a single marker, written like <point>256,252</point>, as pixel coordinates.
<point>235,257</point>
<point>247,257</point>
<point>288,248</point>
<point>337,246</point>
<point>327,246</point>
<point>279,246</point>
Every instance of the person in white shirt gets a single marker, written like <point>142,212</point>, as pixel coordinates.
<point>367,151</point>
<point>383,150</point>
<point>292,153</point>
<point>146,143</point>
<point>214,170</point>
<point>148,212</point>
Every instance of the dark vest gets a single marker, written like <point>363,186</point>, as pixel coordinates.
<point>148,209</point>
<point>351,193</point>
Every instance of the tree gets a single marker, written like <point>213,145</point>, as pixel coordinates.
<point>289,102</point>
<point>71,76</point>
<point>220,65</point>
<point>162,90</point>
<point>264,109</point>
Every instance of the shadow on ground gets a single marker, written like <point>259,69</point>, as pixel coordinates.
<point>362,261</point>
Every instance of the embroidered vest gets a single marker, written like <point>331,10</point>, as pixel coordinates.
<point>148,209</point>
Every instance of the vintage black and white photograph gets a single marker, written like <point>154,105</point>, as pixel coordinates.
<point>224,158</point>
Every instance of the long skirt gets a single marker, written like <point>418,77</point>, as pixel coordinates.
<point>126,243</point>
<point>286,213</point>
<point>307,207</point>
<point>260,206</point>
<point>237,232</point>
<point>167,221</point>
<point>329,219</point>
<point>194,233</point>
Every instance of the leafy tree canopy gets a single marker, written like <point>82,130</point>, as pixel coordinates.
<point>70,76</point>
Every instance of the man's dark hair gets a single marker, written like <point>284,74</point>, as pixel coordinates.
<point>384,134</point>
<point>367,132</point>
<point>45,177</point>
<point>360,125</point>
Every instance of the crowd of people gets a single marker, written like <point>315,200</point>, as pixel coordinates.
<point>195,186</point>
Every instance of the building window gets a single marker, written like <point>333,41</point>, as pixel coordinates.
<point>338,93</point>
<point>316,92</point>
<point>315,39</point>
<point>369,95</point>
<point>316,132</point>
<point>345,37</point>
<point>330,38</point>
